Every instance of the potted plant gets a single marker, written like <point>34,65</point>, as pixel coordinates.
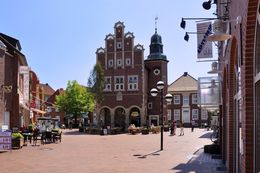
<point>30,127</point>
<point>17,140</point>
<point>145,131</point>
<point>155,129</point>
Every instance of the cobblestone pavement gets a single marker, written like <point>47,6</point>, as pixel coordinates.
<point>124,153</point>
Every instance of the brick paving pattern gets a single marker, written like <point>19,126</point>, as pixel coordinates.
<point>124,153</point>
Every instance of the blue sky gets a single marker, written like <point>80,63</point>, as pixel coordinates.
<point>60,37</point>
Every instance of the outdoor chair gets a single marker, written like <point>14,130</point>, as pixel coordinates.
<point>36,136</point>
<point>57,136</point>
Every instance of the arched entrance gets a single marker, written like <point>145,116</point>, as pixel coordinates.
<point>105,117</point>
<point>134,117</point>
<point>120,118</point>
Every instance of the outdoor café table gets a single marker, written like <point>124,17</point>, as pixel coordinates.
<point>27,136</point>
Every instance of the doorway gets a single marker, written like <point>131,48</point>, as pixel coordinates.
<point>185,115</point>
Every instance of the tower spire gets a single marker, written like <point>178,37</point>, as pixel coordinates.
<point>155,20</point>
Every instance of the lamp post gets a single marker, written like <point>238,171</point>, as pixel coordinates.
<point>168,98</point>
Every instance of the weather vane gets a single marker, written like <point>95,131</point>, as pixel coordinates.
<point>156,18</point>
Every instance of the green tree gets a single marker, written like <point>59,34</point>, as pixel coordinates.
<point>96,83</point>
<point>75,100</point>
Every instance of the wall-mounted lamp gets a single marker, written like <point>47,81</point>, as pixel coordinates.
<point>218,28</point>
<point>183,22</point>
<point>207,4</point>
<point>187,37</point>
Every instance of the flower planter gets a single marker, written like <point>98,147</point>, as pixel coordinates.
<point>155,129</point>
<point>145,131</point>
<point>17,143</point>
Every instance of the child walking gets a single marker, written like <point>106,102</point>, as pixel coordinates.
<point>182,130</point>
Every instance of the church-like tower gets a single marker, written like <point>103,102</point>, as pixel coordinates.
<point>156,67</point>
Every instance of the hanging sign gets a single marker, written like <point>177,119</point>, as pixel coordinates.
<point>204,47</point>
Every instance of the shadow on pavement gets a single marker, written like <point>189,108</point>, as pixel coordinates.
<point>206,135</point>
<point>140,156</point>
<point>201,162</point>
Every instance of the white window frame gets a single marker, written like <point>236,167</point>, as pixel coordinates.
<point>177,99</point>
<point>176,114</point>
<point>110,63</point>
<point>204,114</point>
<point>186,100</point>
<point>195,114</point>
<point>134,85</point>
<point>108,83</point>
<point>194,99</point>
<point>119,86</point>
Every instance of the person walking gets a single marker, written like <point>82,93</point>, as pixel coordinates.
<point>192,125</point>
<point>182,130</point>
<point>172,129</point>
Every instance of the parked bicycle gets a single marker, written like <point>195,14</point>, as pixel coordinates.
<point>215,135</point>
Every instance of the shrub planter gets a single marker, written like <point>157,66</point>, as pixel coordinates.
<point>115,130</point>
<point>155,129</point>
<point>212,149</point>
<point>17,143</point>
<point>145,131</point>
<point>17,140</point>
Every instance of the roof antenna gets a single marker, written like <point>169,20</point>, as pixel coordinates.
<point>156,18</point>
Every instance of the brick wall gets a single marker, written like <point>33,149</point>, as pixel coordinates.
<point>247,10</point>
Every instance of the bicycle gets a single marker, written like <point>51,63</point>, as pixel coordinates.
<point>214,136</point>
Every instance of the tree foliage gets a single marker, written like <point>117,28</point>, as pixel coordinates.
<point>96,82</point>
<point>75,100</point>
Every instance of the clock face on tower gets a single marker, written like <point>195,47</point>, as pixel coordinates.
<point>156,71</point>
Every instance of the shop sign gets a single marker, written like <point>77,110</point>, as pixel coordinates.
<point>5,140</point>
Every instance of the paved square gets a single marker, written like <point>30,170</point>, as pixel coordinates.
<point>122,153</point>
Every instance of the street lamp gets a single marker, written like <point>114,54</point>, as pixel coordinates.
<point>168,98</point>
